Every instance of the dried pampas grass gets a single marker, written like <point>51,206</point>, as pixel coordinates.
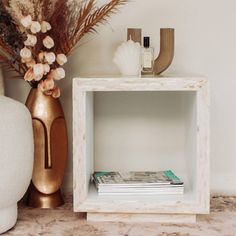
<point>77,18</point>
<point>70,20</point>
<point>20,8</point>
<point>11,41</point>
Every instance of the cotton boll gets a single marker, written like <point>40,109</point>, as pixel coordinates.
<point>35,27</point>
<point>59,73</point>
<point>31,40</point>
<point>56,93</point>
<point>41,57</point>
<point>25,53</point>
<point>49,84</point>
<point>50,57</point>
<point>30,63</point>
<point>29,75</point>
<point>38,70</point>
<point>45,26</point>
<point>26,21</point>
<point>46,68</point>
<point>61,59</point>
<point>49,88</point>
<point>41,86</point>
<point>38,77</point>
<point>26,60</point>
<point>48,42</point>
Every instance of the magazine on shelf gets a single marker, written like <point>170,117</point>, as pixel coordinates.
<point>161,182</point>
<point>167,190</point>
<point>141,193</point>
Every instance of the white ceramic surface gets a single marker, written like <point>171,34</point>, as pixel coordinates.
<point>16,158</point>
<point>127,58</point>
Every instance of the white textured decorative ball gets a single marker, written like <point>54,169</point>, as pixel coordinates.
<point>127,58</point>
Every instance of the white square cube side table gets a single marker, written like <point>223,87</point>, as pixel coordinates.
<point>141,124</point>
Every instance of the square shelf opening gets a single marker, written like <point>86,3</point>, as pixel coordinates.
<point>143,131</point>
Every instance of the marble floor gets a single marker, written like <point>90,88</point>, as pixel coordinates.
<point>62,221</point>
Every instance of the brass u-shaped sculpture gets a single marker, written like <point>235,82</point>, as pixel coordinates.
<point>167,47</point>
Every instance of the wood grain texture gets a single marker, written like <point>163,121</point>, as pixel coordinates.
<point>79,144</point>
<point>140,84</point>
<point>203,147</point>
<point>86,198</point>
<point>135,35</point>
<point>167,48</point>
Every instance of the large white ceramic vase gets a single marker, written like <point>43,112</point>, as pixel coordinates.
<point>16,158</point>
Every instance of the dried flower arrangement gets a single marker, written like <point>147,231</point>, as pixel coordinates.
<point>32,44</point>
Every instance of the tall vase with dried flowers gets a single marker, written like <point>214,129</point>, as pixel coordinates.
<point>32,44</point>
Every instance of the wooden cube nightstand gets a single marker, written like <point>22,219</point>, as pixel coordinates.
<point>141,124</point>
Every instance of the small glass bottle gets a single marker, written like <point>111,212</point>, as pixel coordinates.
<point>147,57</point>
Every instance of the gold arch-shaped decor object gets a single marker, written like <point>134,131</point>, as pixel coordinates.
<point>167,47</point>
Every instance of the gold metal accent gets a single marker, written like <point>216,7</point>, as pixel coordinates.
<point>135,35</point>
<point>167,47</point>
<point>51,148</point>
<point>39,200</point>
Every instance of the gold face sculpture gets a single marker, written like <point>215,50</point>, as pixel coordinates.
<point>51,147</point>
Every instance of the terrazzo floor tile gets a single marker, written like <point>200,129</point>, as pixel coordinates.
<point>62,221</point>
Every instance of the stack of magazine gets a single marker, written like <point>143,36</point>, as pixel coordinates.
<point>129,183</point>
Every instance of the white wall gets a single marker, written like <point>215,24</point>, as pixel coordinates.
<point>205,44</point>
